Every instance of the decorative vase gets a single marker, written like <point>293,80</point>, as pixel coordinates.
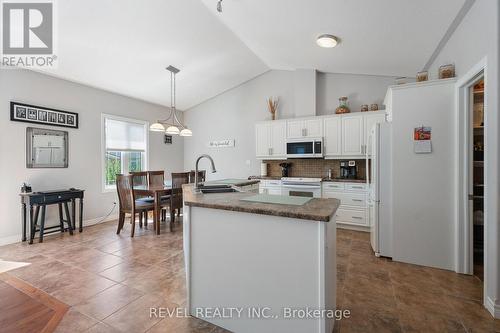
<point>364,107</point>
<point>343,107</point>
<point>374,107</point>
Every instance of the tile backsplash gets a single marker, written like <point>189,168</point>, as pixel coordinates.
<point>317,168</point>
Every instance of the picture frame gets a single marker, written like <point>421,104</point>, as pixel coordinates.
<point>167,139</point>
<point>42,115</point>
<point>46,148</point>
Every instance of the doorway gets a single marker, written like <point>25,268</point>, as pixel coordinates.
<point>472,201</point>
<point>476,174</point>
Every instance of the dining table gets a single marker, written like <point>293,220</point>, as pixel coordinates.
<point>156,192</point>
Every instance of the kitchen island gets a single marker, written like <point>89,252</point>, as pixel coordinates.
<point>260,266</point>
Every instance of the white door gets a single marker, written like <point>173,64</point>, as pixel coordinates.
<point>278,138</point>
<point>295,129</point>
<point>352,135</point>
<point>313,127</point>
<point>262,141</point>
<point>333,136</point>
<point>369,121</point>
<point>373,200</point>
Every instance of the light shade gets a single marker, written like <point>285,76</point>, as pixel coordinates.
<point>186,132</point>
<point>157,127</point>
<point>172,130</point>
<point>327,41</point>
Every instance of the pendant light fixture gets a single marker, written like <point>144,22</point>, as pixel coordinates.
<point>172,123</point>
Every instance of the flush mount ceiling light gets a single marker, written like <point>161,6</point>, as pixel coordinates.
<point>327,41</point>
<point>172,123</point>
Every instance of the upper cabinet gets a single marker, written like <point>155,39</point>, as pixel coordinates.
<point>270,140</point>
<point>332,142</point>
<point>344,136</point>
<point>305,128</point>
<point>352,135</point>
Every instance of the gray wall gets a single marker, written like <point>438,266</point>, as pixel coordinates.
<point>477,37</point>
<point>233,114</point>
<point>360,89</point>
<point>85,143</point>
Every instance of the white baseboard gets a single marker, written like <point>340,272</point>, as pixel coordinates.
<point>17,238</point>
<point>493,308</point>
<point>352,227</point>
<point>10,240</point>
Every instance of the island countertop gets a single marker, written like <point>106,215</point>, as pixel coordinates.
<point>316,209</point>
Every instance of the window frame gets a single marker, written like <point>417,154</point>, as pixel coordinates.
<point>110,188</point>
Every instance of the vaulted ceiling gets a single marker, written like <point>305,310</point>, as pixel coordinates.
<point>124,46</point>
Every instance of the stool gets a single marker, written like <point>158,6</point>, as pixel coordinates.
<point>42,230</point>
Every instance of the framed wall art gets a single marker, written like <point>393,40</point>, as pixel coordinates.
<point>42,115</point>
<point>46,148</point>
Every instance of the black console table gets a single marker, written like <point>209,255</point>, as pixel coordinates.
<point>34,201</point>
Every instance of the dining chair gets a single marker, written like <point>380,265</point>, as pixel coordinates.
<point>176,202</point>
<point>141,179</point>
<point>128,203</point>
<point>157,178</point>
<point>201,176</point>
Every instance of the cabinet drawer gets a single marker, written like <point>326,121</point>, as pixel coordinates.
<point>347,198</point>
<point>355,187</point>
<point>333,186</point>
<point>351,216</point>
<point>270,182</point>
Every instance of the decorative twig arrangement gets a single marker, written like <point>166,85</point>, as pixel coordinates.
<point>272,104</point>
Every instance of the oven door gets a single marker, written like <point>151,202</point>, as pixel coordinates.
<point>306,190</point>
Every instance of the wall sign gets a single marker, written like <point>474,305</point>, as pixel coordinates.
<point>41,115</point>
<point>167,139</point>
<point>221,144</point>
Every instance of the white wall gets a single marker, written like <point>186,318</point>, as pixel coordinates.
<point>360,89</point>
<point>84,169</point>
<point>233,114</point>
<point>475,38</point>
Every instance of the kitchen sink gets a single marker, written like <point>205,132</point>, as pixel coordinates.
<point>216,189</point>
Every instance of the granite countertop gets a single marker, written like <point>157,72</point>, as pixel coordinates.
<point>232,182</point>
<point>316,209</point>
<point>265,177</point>
<point>344,180</point>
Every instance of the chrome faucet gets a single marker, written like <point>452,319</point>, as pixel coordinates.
<point>196,184</point>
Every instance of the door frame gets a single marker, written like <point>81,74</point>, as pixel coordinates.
<point>464,235</point>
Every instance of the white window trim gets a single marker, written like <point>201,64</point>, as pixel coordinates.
<point>105,116</point>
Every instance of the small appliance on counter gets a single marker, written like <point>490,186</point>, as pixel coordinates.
<point>285,169</point>
<point>348,170</point>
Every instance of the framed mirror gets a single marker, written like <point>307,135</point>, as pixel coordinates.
<point>46,148</point>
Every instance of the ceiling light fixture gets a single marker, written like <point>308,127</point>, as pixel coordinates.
<point>327,41</point>
<point>219,6</point>
<point>174,126</point>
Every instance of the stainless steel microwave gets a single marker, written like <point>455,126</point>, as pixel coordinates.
<point>304,148</point>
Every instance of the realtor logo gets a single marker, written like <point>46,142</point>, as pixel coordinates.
<point>28,33</point>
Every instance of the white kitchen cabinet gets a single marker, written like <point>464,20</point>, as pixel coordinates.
<point>353,209</point>
<point>352,135</point>
<point>369,121</point>
<point>305,128</point>
<point>333,136</point>
<point>270,140</point>
<point>270,187</point>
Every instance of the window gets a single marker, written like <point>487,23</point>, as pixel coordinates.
<point>125,145</point>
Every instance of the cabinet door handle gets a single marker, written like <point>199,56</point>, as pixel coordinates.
<point>357,217</point>
<point>358,200</point>
<point>270,151</point>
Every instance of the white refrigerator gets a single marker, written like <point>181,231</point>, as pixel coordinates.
<point>379,182</point>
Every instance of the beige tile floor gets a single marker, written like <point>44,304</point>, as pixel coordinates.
<point>111,281</point>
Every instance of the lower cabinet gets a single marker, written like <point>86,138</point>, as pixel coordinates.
<point>353,208</point>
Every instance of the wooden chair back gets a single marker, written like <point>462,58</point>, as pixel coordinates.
<point>124,187</point>
<point>156,178</point>
<point>178,179</point>
<point>140,178</point>
<point>201,176</point>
